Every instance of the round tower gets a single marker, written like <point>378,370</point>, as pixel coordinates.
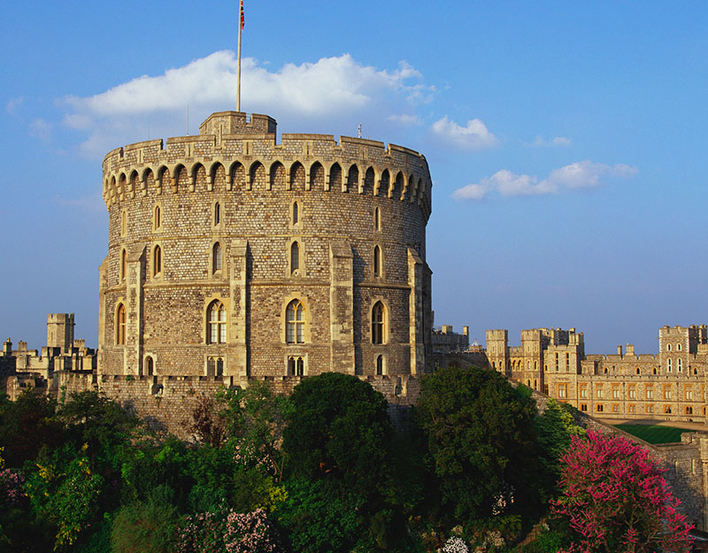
<point>233,256</point>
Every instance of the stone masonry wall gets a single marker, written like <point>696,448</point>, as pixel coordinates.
<point>173,205</point>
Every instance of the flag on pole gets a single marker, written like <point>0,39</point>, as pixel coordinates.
<point>243,16</point>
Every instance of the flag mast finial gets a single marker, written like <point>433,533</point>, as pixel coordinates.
<point>241,21</point>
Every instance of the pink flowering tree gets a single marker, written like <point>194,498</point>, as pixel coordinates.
<point>615,499</point>
<point>226,531</point>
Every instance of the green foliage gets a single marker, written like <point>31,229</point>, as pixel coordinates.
<point>65,491</point>
<point>27,425</point>
<point>339,431</point>
<point>554,428</point>
<point>93,419</point>
<point>321,520</point>
<point>145,527</point>
<point>482,444</point>
<point>255,419</point>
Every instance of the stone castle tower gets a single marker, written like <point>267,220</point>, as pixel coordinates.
<point>233,256</point>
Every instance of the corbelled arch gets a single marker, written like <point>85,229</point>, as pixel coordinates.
<point>256,176</point>
<point>366,185</point>
<point>334,177</point>
<point>237,176</point>
<point>276,176</point>
<point>180,177</point>
<point>353,178</point>
<point>316,176</point>
<point>197,177</point>
<point>296,176</point>
<point>217,177</point>
<point>396,190</point>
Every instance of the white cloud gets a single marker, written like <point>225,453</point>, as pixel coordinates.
<point>559,141</point>
<point>330,87</point>
<point>473,136</point>
<point>581,174</point>
<point>41,129</point>
<point>405,119</point>
<point>13,105</point>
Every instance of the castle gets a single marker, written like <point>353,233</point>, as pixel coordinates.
<point>235,257</point>
<point>625,385</point>
<point>61,359</point>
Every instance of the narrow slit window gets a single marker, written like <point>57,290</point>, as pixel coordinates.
<point>120,325</point>
<point>157,261</point>
<point>378,322</point>
<point>216,258</point>
<point>377,261</point>
<point>217,213</point>
<point>294,257</point>
<point>296,213</point>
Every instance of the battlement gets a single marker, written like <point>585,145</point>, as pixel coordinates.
<point>237,122</point>
<point>248,158</point>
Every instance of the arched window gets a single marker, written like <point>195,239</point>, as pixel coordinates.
<point>377,261</point>
<point>296,213</point>
<point>120,325</point>
<point>156,218</point>
<point>123,264</point>
<point>300,366</point>
<point>295,323</point>
<point>149,366</point>
<point>378,323</point>
<point>217,213</point>
<point>216,258</point>
<point>379,365</point>
<point>216,323</point>
<point>294,257</point>
<point>156,261</point>
<point>377,219</point>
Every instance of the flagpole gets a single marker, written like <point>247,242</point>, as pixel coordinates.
<point>238,55</point>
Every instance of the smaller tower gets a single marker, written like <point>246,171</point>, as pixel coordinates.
<point>498,350</point>
<point>60,330</point>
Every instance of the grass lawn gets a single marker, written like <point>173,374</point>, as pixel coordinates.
<point>652,433</point>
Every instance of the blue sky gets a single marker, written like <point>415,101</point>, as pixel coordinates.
<point>566,141</point>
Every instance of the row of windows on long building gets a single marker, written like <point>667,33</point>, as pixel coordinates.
<point>295,323</point>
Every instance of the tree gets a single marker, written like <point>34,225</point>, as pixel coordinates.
<point>341,492</point>
<point>481,443</point>
<point>338,431</point>
<point>616,500</point>
<point>254,419</point>
<point>27,425</point>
